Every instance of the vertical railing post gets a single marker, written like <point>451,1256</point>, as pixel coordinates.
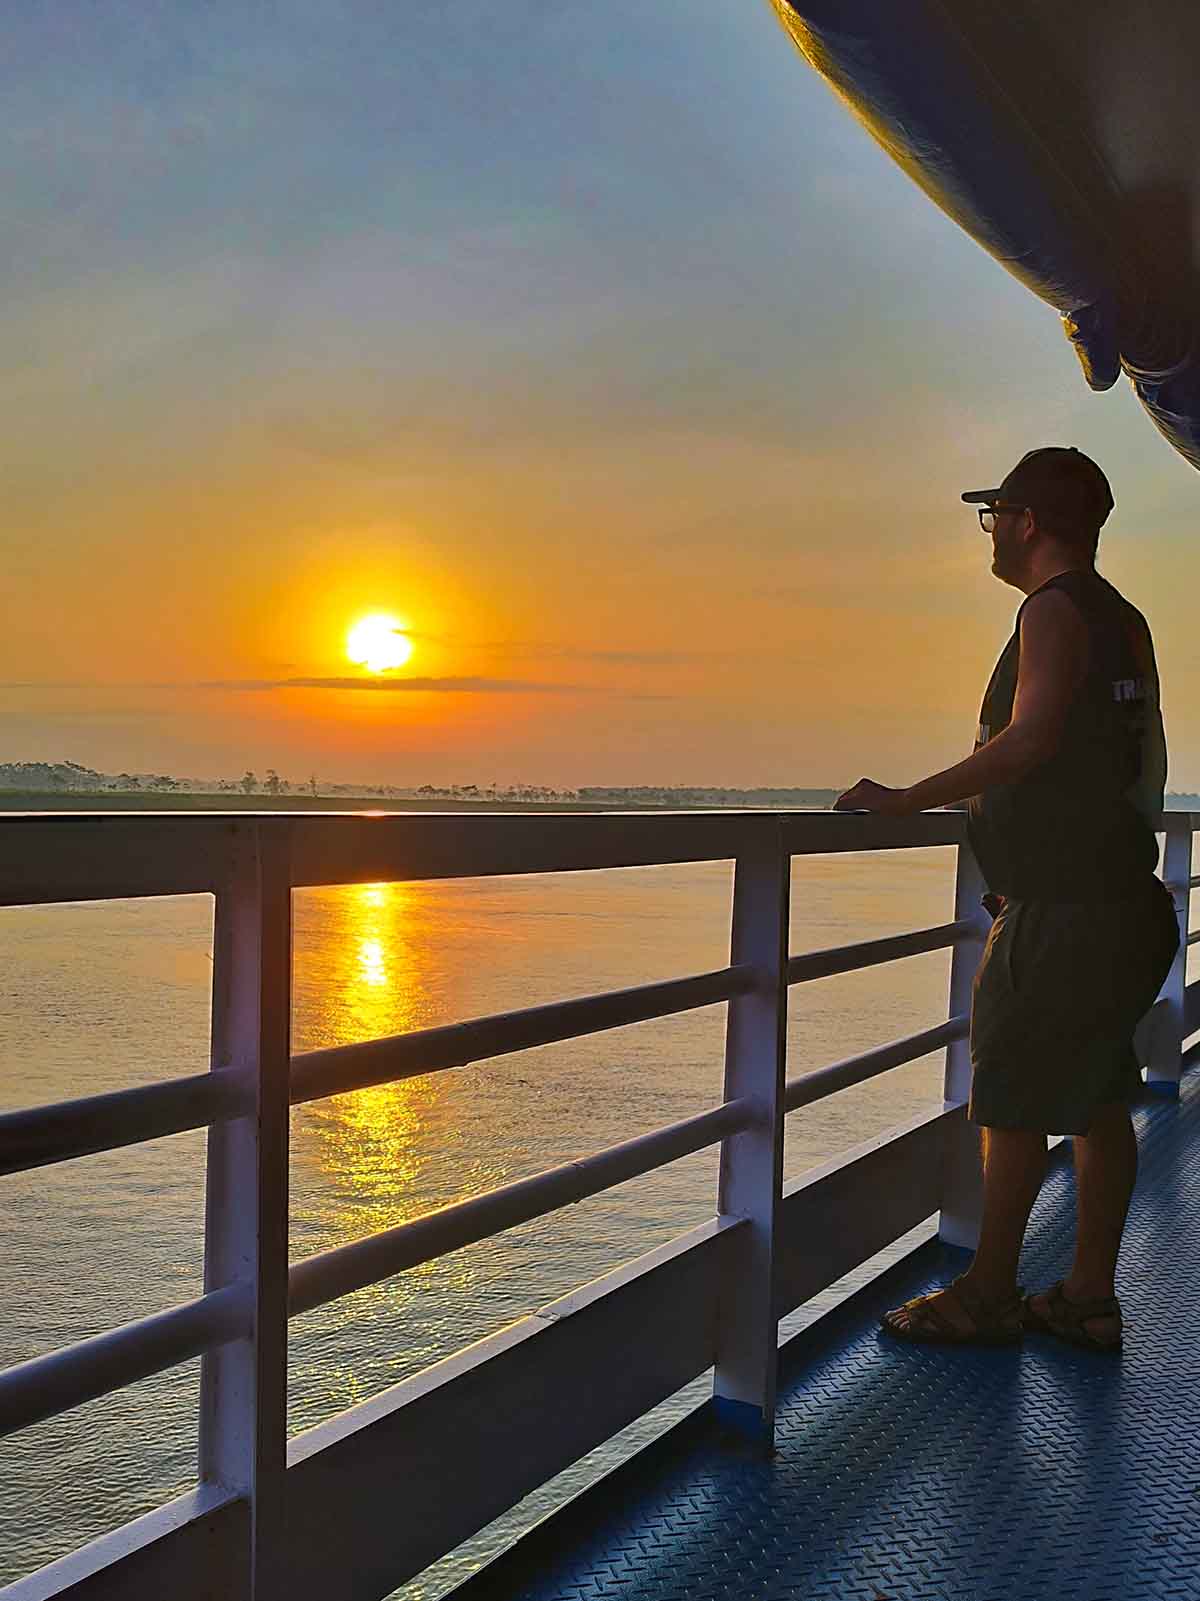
<point>1170,1022</point>
<point>962,1172</point>
<point>752,1161</point>
<point>243,1396</point>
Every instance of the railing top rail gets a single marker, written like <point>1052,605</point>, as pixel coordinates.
<point>74,856</point>
<point>454,845</point>
<point>822,833</point>
<point>85,857</point>
<point>113,819</point>
<point>47,857</point>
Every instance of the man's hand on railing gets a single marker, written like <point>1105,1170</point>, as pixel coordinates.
<point>868,796</point>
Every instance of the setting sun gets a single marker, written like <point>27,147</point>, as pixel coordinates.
<point>378,642</point>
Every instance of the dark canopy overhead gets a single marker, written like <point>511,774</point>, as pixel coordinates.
<point>1063,135</point>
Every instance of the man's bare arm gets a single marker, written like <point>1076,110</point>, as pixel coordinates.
<point>1054,654</point>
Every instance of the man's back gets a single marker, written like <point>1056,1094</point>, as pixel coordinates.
<point>1079,827</point>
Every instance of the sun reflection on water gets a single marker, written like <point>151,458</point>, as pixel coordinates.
<point>371,963</point>
<point>366,977</point>
<point>368,973</point>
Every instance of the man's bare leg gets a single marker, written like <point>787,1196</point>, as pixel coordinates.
<point>1106,1162</point>
<point>1014,1165</point>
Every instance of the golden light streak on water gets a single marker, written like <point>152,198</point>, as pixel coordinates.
<point>369,1144</point>
<point>370,960</point>
<point>371,979</point>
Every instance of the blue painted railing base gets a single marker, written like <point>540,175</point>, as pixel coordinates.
<point>742,1419</point>
<point>1165,1089</point>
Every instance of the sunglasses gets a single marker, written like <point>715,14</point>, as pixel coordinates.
<point>989,514</point>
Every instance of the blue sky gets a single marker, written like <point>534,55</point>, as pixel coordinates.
<point>579,337</point>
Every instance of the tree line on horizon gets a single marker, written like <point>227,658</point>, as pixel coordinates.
<point>60,777</point>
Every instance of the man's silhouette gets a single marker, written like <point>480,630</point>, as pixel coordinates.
<point>1066,777</point>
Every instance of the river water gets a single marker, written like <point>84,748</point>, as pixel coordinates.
<point>102,996</point>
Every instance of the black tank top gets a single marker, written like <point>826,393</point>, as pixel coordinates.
<point>1080,827</point>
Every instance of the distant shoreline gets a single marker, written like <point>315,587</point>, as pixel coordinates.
<point>33,800</point>
<point>17,800</point>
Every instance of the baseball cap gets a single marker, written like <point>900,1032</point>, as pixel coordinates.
<point>1058,482</point>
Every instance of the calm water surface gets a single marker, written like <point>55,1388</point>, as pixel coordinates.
<point>99,997</point>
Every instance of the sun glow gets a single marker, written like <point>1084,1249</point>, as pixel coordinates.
<point>378,642</point>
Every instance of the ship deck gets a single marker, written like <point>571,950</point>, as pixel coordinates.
<point>908,1473</point>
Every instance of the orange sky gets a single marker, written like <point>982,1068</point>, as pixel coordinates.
<point>666,429</point>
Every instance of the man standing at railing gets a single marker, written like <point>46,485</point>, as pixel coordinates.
<point>1063,786</point>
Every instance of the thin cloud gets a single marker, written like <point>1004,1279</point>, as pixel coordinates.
<point>573,653</point>
<point>636,658</point>
<point>437,686</point>
<point>534,651</point>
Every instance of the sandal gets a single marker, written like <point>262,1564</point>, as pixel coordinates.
<point>1066,1319</point>
<point>995,1322</point>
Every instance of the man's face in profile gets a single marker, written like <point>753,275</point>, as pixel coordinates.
<point>1008,527</point>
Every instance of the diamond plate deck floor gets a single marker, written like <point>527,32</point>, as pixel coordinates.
<point>924,1473</point>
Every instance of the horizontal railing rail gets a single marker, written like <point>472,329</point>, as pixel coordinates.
<point>47,1385</point>
<point>432,1050</point>
<point>41,1135</point>
<point>811,1087</point>
<point>872,952</point>
<point>338,1272</point>
<point>726,1278</point>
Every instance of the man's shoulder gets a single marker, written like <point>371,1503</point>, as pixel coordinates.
<point>1131,618</point>
<point>1115,597</point>
<point>1086,594</point>
<point>1054,610</point>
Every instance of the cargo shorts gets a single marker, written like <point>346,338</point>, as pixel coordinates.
<point>1059,991</point>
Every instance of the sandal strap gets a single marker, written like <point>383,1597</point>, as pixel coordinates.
<point>1076,1313</point>
<point>988,1317</point>
<point>923,1310</point>
<point>989,1320</point>
<point>983,1313</point>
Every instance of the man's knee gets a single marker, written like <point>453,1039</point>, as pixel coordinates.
<point>1108,1117</point>
<point>1009,1145</point>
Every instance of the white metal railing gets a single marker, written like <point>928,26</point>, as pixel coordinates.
<point>712,1298</point>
